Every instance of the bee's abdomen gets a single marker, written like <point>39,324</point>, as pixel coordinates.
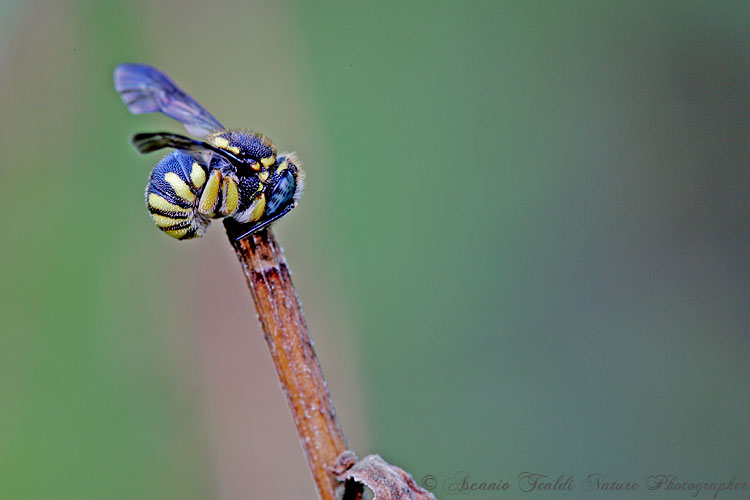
<point>173,193</point>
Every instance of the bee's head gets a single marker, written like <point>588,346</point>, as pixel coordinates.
<point>267,194</point>
<point>284,185</point>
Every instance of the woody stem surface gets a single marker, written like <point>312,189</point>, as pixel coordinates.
<point>293,355</point>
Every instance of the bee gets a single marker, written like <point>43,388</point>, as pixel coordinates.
<point>233,174</point>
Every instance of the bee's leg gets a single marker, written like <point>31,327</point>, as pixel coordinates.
<point>238,230</point>
<point>209,198</point>
<point>255,209</point>
<point>230,196</point>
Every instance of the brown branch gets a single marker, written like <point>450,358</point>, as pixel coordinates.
<point>336,470</point>
<point>292,351</point>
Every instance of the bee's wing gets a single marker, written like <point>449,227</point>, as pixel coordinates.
<point>154,141</point>
<point>145,89</point>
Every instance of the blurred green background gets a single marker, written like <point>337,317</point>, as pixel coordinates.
<point>523,244</point>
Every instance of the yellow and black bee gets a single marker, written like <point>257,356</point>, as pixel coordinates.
<point>234,174</point>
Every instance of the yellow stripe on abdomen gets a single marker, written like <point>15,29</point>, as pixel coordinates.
<point>158,202</point>
<point>180,187</point>
<point>163,221</point>
<point>197,176</point>
<point>177,233</point>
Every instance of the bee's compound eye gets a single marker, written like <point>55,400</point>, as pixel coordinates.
<point>282,193</point>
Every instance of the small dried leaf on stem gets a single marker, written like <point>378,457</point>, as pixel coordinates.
<point>386,481</point>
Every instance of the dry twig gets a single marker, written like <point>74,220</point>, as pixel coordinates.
<point>292,351</point>
<point>297,366</point>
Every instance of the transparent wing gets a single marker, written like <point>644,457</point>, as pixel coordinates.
<point>145,89</point>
